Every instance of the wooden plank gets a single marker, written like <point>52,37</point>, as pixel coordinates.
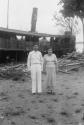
<point>63,71</point>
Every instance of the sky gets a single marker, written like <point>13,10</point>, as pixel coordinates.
<point>20,12</point>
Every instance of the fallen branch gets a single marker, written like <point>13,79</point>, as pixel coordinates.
<point>63,71</point>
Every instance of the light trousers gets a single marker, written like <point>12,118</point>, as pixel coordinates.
<point>36,78</point>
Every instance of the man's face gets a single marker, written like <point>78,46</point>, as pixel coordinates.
<point>35,47</point>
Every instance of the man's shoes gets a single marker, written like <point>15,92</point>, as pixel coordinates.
<point>33,93</point>
<point>39,93</point>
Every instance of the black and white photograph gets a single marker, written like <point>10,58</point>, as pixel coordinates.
<point>41,62</point>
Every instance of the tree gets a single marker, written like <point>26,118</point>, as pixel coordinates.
<point>68,23</point>
<point>72,8</point>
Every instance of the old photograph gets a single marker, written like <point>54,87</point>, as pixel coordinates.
<point>41,62</point>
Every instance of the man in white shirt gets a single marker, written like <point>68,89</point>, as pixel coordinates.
<point>35,65</point>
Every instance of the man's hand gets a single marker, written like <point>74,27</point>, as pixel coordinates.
<point>44,71</point>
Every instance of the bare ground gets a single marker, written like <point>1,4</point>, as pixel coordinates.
<point>19,107</point>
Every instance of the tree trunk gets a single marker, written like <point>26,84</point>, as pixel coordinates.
<point>83,32</point>
<point>71,30</point>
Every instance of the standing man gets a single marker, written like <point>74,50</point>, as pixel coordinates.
<point>35,65</point>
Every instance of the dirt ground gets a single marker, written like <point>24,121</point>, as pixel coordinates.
<point>19,107</point>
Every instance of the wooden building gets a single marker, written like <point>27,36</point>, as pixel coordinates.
<point>15,44</point>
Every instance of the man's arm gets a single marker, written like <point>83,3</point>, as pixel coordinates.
<point>41,59</point>
<point>29,62</point>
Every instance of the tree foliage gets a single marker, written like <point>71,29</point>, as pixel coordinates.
<point>72,8</point>
<point>68,23</point>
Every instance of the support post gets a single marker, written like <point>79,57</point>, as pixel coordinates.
<point>7,14</point>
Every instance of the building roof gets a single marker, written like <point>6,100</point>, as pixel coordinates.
<point>26,33</point>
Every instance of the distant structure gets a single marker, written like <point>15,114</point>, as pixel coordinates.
<point>13,49</point>
<point>34,20</point>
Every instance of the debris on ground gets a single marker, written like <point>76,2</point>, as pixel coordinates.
<point>14,72</point>
<point>71,61</point>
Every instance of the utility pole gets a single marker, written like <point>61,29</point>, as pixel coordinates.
<point>7,14</point>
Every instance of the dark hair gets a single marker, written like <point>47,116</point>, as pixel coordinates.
<point>35,45</point>
<point>49,48</point>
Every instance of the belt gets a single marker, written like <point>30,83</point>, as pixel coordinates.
<point>36,63</point>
